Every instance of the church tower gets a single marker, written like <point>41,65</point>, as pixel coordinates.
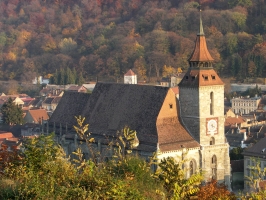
<point>201,95</point>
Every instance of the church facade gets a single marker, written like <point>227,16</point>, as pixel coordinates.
<point>192,126</point>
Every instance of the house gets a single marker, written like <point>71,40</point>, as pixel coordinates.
<point>89,86</point>
<point>40,80</point>
<point>30,129</point>
<point>50,103</point>
<point>255,155</point>
<point>165,82</point>
<point>36,116</point>
<point>7,139</point>
<point>245,105</point>
<point>191,126</point>
<point>35,103</point>
<point>130,77</point>
<point>77,89</point>
<point>14,98</point>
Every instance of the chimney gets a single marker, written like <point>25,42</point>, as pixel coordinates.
<point>245,136</point>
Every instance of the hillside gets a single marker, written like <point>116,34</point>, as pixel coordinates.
<point>105,38</point>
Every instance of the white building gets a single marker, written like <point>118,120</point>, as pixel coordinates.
<point>130,77</point>
<point>40,80</point>
<point>245,105</point>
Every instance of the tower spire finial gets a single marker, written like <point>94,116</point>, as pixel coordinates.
<point>201,32</point>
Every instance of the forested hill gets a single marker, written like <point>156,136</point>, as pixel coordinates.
<point>105,38</point>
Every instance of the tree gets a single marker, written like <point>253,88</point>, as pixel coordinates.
<point>172,174</point>
<point>214,190</point>
<point>12,113</point>
<point>236,153</point>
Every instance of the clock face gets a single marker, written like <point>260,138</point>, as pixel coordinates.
<point>212,126</point>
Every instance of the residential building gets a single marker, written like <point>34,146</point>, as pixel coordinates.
<point>130,77</point>
<point>37,116</point>
<point>50,103</point>
<point>77,89</point>
<point>245,105</point>
<point>254,156</point>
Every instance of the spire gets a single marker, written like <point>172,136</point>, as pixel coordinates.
<point>201,32</point>
<point>201,52</point>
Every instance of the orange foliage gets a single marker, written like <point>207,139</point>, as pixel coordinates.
<point>11,56</point>
<point>214,190</point>
<point>8,156</point>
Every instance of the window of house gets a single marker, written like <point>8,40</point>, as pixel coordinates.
<point>213,77</point>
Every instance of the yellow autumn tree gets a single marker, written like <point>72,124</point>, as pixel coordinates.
<point>168,71</point>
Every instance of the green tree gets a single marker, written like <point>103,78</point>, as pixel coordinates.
<point>80,80</point>
<point>12,113</point>
<point>236,153</point>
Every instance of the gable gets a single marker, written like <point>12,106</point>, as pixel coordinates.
<point>171,133</point>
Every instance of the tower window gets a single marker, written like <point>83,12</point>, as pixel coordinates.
<point>205,77</point>
<point>186,77</point>
<point>211,104</point>
<point>212,141</point>
<point>170,106</point>
<point>214,167</point>
<point>192,167</point>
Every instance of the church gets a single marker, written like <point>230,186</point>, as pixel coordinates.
<point>192,125</point>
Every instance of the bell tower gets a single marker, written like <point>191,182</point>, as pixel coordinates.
<point>201,96</point>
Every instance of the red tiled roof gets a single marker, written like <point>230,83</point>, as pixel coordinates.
<point>38,114</point>
<point>175,90</point>
<point>130,73</point>
<point>201,77</point>
<point>4,135</point>
<point>201,52</point>
<point>233,120</point>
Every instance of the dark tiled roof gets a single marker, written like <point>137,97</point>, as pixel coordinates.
<point>48,100</point>
<point>71,105</point>
<point>74,88</point>
<point>111,107</point>
<point>258,149</point>
<point>36,102</point>
<point>56,100</point>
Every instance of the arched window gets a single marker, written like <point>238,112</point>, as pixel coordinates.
<point>212,141</point>
<point>214,167</point>
<point>211,104</point>
<point>192,167</point>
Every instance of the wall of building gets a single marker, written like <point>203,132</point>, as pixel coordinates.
<point>245,105</point>
<point>189,101</point>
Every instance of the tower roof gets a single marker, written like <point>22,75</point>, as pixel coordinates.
<point>197,77</point>
<point>201,52</point>
<point>130,73</point>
